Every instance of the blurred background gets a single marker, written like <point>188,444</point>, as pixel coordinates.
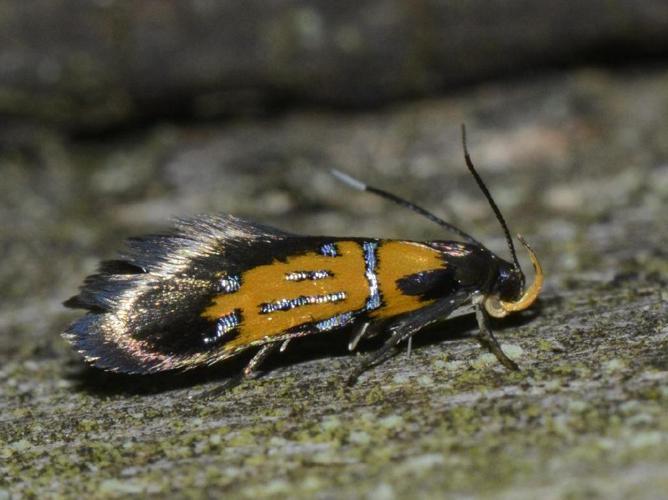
<point>117,116</point>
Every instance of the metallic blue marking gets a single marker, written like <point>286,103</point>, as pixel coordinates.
<point>329,250</point>
<point>224,324</point>
<point>302,300</point>
<point>308,275</point>
<point>370,262</point>
<point>334,322</point>
<point>230,284</point>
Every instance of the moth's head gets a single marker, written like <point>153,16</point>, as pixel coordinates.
<point>509,282</point>
<point>510,293</point>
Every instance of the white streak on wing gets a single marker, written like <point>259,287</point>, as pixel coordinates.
<point>370,262</point>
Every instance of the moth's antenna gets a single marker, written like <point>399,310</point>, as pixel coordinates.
<point>487,194</point>
<point>360,186</point>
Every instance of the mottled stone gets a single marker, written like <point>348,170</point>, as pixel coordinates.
<point>577,163</point>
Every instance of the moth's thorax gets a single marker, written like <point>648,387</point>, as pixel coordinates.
<point>473,266</point>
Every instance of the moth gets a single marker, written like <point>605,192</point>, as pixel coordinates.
<point>217,286</point>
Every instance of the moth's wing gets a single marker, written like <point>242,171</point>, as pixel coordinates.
<point>144,309</point>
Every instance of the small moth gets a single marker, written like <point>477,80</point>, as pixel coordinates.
<point>219,285</point>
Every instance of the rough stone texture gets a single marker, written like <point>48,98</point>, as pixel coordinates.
<point>83,63</point>
<point>578,164</point>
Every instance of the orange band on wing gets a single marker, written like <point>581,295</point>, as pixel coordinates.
<point>397,259</point>
<point>267,284</point>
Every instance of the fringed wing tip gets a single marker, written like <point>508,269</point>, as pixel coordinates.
<point>148,263</point>
<point>86,337</point>
<point>75,302</point>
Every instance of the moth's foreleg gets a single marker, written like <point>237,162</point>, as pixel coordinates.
<point>488,341</point>
<point>403,329</point>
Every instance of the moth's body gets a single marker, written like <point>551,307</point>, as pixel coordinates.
<point>217,286</point>
<point>220,285</point>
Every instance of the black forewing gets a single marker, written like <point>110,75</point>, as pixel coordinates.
<point>145,308</point>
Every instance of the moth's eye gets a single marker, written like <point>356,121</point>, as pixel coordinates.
<point>510,286</point>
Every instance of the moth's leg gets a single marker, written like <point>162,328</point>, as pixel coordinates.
<point>488,341</point>
<point>284,345</point>
<point>260,356</point>
<point>385,352</point>
<point>403,329</point>
<point>221,388</point>
<point>357,335</point>
<point>366,330</point>
<point>248,372</point>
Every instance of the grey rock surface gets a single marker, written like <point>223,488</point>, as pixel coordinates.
<point>577,162</point>
<point>86,64</point>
